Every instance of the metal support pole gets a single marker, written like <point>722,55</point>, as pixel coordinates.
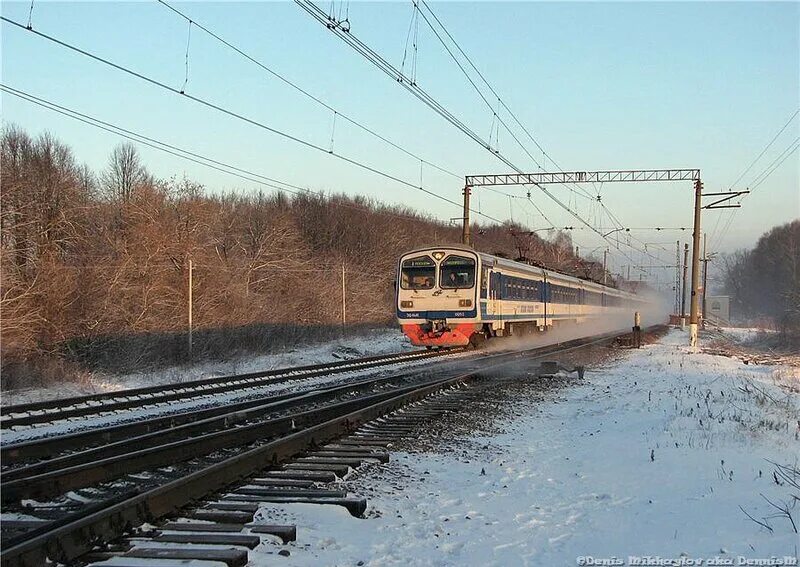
<point>694,315</point>
<point>191,270</point>
<point>705,279</point>
<point>677,277</point>
<point>637,330</point>
<point>344,297</point>
<point>683,283</point>
<point>605,262</point>
<point>465,237</point>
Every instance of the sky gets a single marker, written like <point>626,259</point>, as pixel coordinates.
<point>598,85</point>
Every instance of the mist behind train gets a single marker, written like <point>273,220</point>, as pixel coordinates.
<point>655,311</point>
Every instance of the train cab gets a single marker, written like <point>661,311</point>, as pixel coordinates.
<point>437,296</point>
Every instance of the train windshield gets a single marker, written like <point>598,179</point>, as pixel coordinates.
<point>457,272</point>
<point>418,273</point>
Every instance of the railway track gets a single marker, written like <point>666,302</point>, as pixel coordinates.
<point>50,411</point>
<point>73,501</point>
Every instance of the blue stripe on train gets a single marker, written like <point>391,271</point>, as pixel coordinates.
<point>437,314</point>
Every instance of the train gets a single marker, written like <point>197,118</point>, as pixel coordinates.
<point>451,296</point>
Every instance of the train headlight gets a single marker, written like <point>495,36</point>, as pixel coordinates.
<point>465,303</point>
<point>407,304</point>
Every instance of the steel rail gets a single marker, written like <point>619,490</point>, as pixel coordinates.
<point>65,408</point>
<point>74,538</point>
<point>157,448</point>
<point>49,447</point>
<point>238,418</point>
<point>79,535</point>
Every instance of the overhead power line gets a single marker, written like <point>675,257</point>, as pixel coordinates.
<point>236,115</point>
<point>763,176</point>
<point>772,141</point>
<point>177,151</point>
<point>580,190</point>
<point>717,239</point>
<point>500,100</point>
<point>386,67</point>
<point>305,92</point>
<point>775,164</point>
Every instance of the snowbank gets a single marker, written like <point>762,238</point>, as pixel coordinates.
<point>662,454</point>
<point>378,341</point>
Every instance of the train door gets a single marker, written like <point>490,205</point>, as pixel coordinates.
<point>495,286</point>
<point>545,298</point>
<point>486,291</point>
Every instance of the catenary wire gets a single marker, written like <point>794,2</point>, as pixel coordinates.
<point>200,159</point>
<point>238,116</point>
<point>305,92</point>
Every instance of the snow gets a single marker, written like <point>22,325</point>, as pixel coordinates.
<point>371,343</point>
<point>107,418</point>
<point>652,455</point>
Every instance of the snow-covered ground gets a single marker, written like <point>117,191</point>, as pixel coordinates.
<point>661,454</point>
<point>375,342</point>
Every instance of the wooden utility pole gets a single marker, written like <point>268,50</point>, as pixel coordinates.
<point>465,236</point>
<point>344,297</point>
<point>191,269</point>
<point>693,309</point>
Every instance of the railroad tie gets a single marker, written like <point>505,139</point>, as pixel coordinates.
<point>383,438</point>
<point>283,474</point>
<point>363,455</point>
<point>282,482</point>
<point>197,527</point>
<point>286,533</point>
<point>363,441</point>
<point>338,470</point>
<point>342,460</point>
<point>252,493</point>
<point>388,428</point>
<point>230,557</point>
<point>244,540</point>
<point>222,516</point>
<point>317,476</point>
<point>355,505</point>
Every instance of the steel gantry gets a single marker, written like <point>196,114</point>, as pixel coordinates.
<point>615,176</point>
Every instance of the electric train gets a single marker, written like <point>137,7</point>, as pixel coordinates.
<point>451,296</point>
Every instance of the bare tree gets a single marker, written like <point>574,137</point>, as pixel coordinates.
<point>765,281</point>
<point>124,173</point>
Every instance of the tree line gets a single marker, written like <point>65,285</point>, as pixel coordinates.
<point>94,267</point>
<point>764,283</point>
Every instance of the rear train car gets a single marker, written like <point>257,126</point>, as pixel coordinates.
<point>454,296</point>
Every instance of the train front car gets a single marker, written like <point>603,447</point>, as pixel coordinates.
<point>437,296</point>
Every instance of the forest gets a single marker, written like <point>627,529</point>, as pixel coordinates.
<point>764,283</point>
<point>94,267</point>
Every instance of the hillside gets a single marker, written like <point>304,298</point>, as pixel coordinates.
<point>95,263</point>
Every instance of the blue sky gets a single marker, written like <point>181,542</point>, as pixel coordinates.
<point>600,85</point>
